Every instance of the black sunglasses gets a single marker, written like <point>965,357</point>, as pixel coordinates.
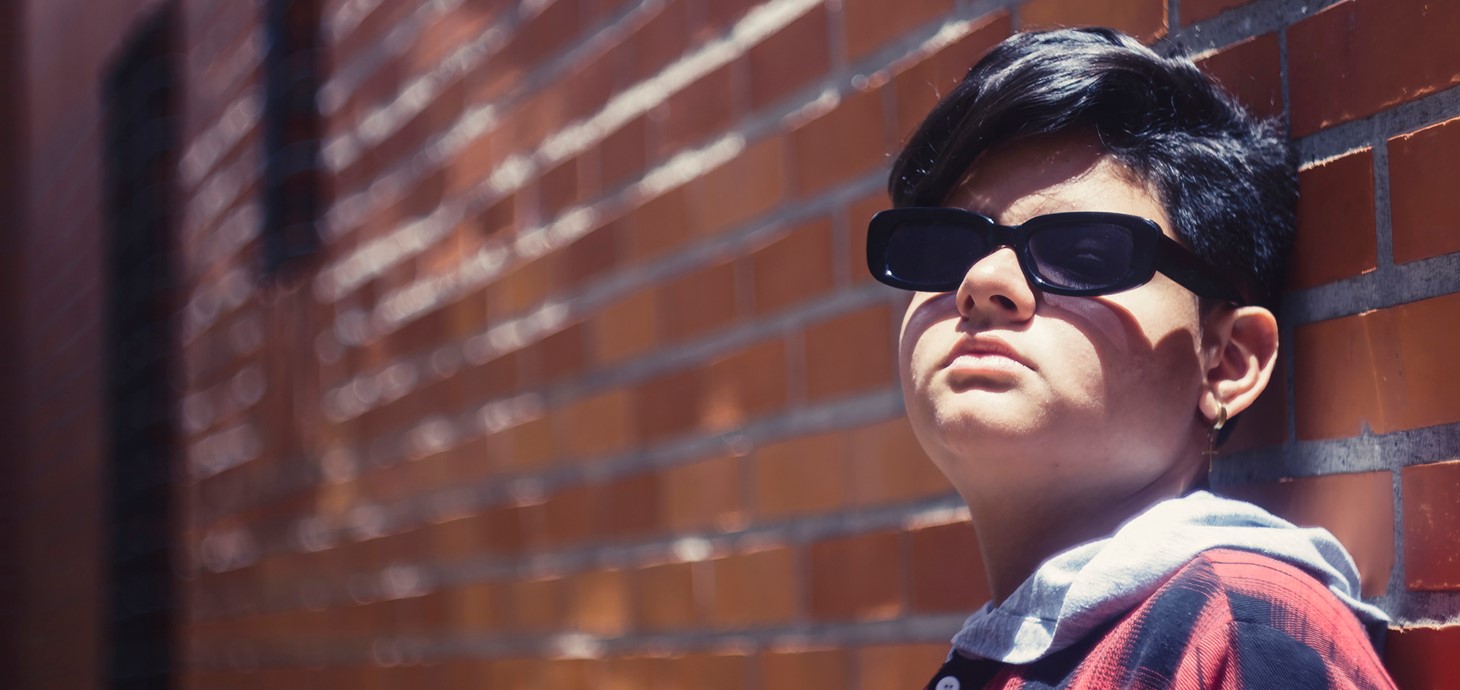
<point>1082,254</point>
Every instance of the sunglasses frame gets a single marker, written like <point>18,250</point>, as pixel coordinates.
<point>1152,251</point>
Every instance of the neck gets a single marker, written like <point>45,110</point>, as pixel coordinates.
<point>1019,529</point>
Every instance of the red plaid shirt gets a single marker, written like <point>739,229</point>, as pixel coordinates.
<point>1229,619</point>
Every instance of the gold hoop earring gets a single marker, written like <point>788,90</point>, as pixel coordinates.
<point>1221,417</point>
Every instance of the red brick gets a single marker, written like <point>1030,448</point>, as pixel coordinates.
<point>887,465</point>
<point>598,425</point>
<point>625,329</point>
<point>453,539</point>
<point>1193,11</point>
<point>919,87</point>
<point>1420,379</point>
<point>870,24</point>
<point>660,405</point>
<point>849,354</point>
<point>1423,658</point>
<point>715,17</point>
<point>544,35</point>
<point>591,255</point>
<point>499,530</point>
<point>1334,367</point>
<point>823,156</point>
<point>537,605</point>
<point>1431,499</point>
<point>660,40</point>
<point>1424,209</point>
<point>633,673</point>
<point>1358,57</point>
<point>661,224</point>
<point>754,589</point>
<point>706,494</point>
<point>664,597</point>
<point>1336,237</point>
<point>372,29</point>
<point>452,673</point>
<point>726,671</point>
<point>532,445</point>
<point>438,116</point>
<point>600,602</point>
<point>707,106</point>
<point>946,569</point>
<point>623,155</point>
<point>500,217</point>
<point>526,286</point>
<point>426,614</point>
<point>535,674</point>
<point>496,378</point>
<point>1357,508</point>
<point>1387,370</point>
<point>742,189</point>
<point>473,164</point>
<point>560,187</point>
<point>562,355</point>
<point>899,665</point>
<point>698,302</point>
<point>1249,71</point>
<point>856,577</point>
<point>536,116</point>
<point>859,215</point>
<point>448,32</point>
<point>1144,19</point>
<point>800,476</point>
<point>602,11</point>
<point>629,507</point>
<point>424,196</point>
<point>793,267</point>
<point>792,58</point>
<point>744,385</point>
<point>567,518</point>
<point>592,83</point>
<point>821,669</point>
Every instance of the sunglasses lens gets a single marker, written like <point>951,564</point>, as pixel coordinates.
<point>933,255</point>
<point>1082,255</point>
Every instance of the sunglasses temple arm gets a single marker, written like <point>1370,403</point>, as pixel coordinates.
<point>1182,266</point>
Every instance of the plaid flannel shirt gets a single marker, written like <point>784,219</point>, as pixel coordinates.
<point>1229,619</point>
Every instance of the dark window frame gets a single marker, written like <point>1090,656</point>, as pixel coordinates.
<point>293,182</point>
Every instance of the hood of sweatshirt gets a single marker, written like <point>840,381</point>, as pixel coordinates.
<point>1079,590</point>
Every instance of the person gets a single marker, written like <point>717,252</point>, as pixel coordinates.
<point>1095,237</point>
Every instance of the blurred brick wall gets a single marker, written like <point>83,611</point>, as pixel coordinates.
<point>589,388</point>
<point>11,196</point>
<point>55,457</point>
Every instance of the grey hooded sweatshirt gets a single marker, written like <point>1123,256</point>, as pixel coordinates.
<point>1077,591</point>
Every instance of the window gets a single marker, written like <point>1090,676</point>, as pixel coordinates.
<point>292,198</point>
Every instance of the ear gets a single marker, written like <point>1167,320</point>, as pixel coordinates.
<point>1240,348</point>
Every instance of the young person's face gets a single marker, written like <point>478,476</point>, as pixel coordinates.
<point>1011,388</point>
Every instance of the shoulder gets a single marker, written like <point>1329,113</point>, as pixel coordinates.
<point>1257,588</point>
<point>1269,622</point>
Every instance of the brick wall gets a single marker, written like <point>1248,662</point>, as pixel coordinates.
<point>589,389</point>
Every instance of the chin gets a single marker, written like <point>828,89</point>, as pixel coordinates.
<point>988,431</point>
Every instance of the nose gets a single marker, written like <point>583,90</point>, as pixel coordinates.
<point>995,288</point>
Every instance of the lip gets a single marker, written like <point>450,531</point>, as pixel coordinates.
<point>984,352</point>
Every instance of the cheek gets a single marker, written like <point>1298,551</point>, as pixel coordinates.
<point>930,319</point>
<point>1126,353</point>
<point>1092,345</point>
<point>1104,324</point>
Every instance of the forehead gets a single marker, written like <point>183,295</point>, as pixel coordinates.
<point>1054,174</point>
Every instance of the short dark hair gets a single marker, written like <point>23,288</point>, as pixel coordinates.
<point>1227,180</point>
